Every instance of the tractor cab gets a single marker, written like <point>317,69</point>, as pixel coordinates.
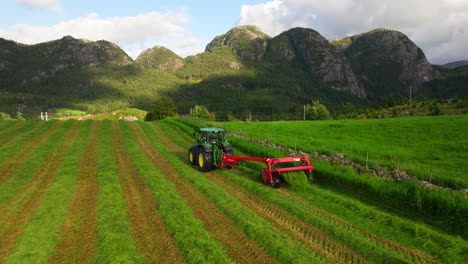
<point>209,135</point>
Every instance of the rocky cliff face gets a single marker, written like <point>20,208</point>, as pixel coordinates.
<point>389,51</point>
<point>160,58</point>
<point>35,63</point>
<point>79,51</point>
<point>248,42</point>
<point>322,58</point>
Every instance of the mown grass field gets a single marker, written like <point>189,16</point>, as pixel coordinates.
<point>432,148</point>
<point>122,192</point>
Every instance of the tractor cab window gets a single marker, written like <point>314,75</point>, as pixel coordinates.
<point>215,137</point>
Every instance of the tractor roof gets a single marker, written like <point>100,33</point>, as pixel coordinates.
<point>211,129</point>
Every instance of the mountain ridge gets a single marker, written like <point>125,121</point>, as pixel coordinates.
<point>241,70</point>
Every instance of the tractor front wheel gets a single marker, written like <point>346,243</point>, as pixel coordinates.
<point>192,156</point>
<point>205,161</point>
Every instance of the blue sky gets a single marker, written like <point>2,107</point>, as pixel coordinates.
<point>439,27</point>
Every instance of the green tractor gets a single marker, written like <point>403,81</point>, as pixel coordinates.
<point>208,152</point>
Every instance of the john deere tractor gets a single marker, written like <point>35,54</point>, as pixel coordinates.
<point>208,151</point>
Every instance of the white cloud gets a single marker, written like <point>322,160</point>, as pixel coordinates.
<point>50,5</point>
<point>131,33</point>
<point>439,27</point>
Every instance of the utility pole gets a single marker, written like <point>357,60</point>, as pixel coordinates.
<point>304,111</point>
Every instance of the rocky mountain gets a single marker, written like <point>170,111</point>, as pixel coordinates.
<point>248,42</point>
<point>36,63</point>
<point>243,70</point>
<point>386,61</point>
<point>160,58</point>
<point>322,59</point>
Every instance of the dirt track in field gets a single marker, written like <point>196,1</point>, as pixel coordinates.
<point>414,254</point>
<point>149,230</point>
<point>307,234</point>
<point>79,231</point>
<point>240,248</point>
<point>19,210</point>
<point>11,165</point>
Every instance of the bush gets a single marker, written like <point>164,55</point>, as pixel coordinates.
<point>201,112</point>
<point>4,116</point>
<point>19,116</point>
<point>164,107</point>
<point>317,111</point>
<point>434,109</point>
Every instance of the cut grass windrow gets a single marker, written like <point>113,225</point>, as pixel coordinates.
<point>78,235</point>
<point>239,247</point>
<point>22,170</point>
<point>115,243</point>
<point>19,130</point>
<point>290,205</point>
<point>190,235</point>
<point>5,125</point>
<point>276,243</point>
<point>11,126</point>
<point>12,157</point>
<point>19,210</point>
<point>41,233</point>
<point>149,231</point>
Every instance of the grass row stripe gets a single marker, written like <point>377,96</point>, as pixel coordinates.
<point>14,128</point>
<point>29,127</point>
<point>193,240</point>
<point>78,235</point>
<point>115,243</point>
<point>19,181</point>
<point>9,166</point>
<point>276,243</point>
<point>5,125</point>
<point>28,140</point>
<point>40,234</point>
<point>239,247</point>
<point>13,221</point>
<point>149,230</point>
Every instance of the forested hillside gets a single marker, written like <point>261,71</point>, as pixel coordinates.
<point>242,71</point>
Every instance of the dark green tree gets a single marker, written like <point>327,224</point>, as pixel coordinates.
<point>163,107</point>
<point>317,111</point>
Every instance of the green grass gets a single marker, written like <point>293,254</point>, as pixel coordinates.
<point>61,112</point>
<point>431,148</point>
<point>191,237</point>
<point>23,128</point>
<point>115,243</point>
<point>32,164</point>
<point>41,233</point>
<point>447,248</point>
<point>276,243</point>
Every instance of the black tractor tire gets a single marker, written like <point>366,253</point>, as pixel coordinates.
<point>204,160</point>
<point>192,156</point>
<point>276,182</point>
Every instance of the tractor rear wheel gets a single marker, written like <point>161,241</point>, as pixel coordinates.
<point>192,156</point>
<point>205,161</point>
